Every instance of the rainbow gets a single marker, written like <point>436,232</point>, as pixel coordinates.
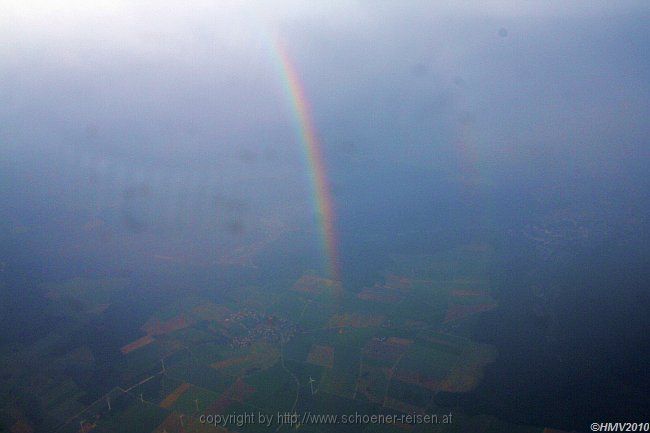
<point>306,131</point>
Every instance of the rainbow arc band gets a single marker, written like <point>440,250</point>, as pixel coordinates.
<point>313,154</point>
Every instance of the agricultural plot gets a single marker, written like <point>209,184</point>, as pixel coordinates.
<point>289,305</point>
<point>248,298</point>
<point>467,373</point>
<point>210,311</point>
<point>356,320</point>
<point>372,382</point>
<point>351,337</point>
<point>275,389</point>
<point>321,355</point>
<point>180,423</point>
<point>328,403</point>
<point>444,367</point>
<point>61,401</point>
<point>153,389</point>
<point>207,352</point>
<point>467,303</point>
<point>386,348</point>
<point>148,355</point>
<point>316,314</point>
<point>192,399</point>
<point>306,372</point>
<point>247,360</point>
<point>137,418</point>
<point>187,369</point>
<point>316,286</point>
<point>407,398</point>
<point>341,379</point>
<point>169,401</point>
<point>190,336</point>
<point>298,348</point>
<point>90,296</point>
<point>386,351</point>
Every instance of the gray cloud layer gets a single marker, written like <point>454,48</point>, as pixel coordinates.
<point>154,107</point>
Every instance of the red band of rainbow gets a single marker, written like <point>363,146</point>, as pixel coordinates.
<point>323,202</point>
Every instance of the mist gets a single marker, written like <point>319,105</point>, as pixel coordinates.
<point>158,141</point>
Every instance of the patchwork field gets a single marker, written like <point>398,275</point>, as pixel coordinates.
<point>386,348</point>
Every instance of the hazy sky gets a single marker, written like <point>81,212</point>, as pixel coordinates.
<point>139,111</point>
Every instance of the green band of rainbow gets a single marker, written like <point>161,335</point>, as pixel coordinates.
<point>314,156</point>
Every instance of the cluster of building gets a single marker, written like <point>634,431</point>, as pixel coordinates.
<point>261,327</point>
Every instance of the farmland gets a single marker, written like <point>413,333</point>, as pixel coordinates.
<point>387,348</point>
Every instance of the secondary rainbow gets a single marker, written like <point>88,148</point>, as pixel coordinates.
<point>316,164</point>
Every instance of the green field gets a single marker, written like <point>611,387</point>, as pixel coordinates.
<point>388,351</point>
